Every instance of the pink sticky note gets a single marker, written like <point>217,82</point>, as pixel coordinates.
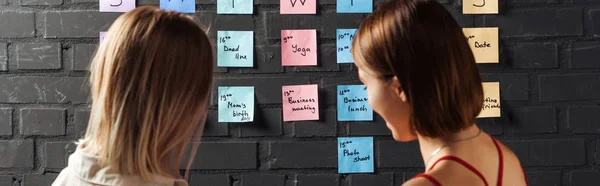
<point>116,5</point>
<point>300,102</point>
<point>299,48</point>
<point>102,35</point>
<point>298,7</point>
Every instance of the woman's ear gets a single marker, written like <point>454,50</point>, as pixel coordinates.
<point>398,89</point>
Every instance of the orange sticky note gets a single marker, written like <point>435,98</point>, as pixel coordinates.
<point>484,43</point>
<point>491,100</point>
<point>298,7</point>
<point>300,102</point>
<point>299,47</point>
<point>480,6</point>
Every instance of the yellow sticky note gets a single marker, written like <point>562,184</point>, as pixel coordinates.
<point>484,44</point>
<point>491,100</point>
<point>480,6</point>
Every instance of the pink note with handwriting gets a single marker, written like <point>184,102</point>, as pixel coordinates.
<point>300,102</point>
<point>298,7</point>
<point>299,47</point>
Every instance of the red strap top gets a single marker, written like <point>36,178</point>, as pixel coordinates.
<point>469,166</point>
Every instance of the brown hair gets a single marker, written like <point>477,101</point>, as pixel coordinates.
<point>420,43</point>
<point>150,83</point>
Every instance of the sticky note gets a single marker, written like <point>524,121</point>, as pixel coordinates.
<point>484,44</point>
<point>491,100</point>
<point>352,103</point>
<point>480,6</point>
<point>116,5</point>
<point>344,45</point>
<point>235,6</point>
<point>354,6</point>
<point>102,36</point>
<point>355,155</point>
<point>299,47</point>
<point>298,7</point>
<point>235,48</point>
<point>300,102</point>
<point>236,104</point>
<point>184,6</point>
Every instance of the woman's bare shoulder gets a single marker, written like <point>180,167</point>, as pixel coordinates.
<point>418,182</point>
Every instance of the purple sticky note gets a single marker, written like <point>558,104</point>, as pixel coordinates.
<point>102,35</point>
<point>116,5</point>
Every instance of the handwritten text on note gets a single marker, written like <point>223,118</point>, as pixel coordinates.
<point>484,44</point>
<point>235,49</point>
<point>353,103</point>
<point>236,104</point>
<point>344,45</point>
<point>184,6</point>
<point>355,155</point>
<point>298,7</point>
<point>300,102</point>
<point>116,5</point>
<point>299,47</point>
<point>235,6</point>
<point>480,6</point>
<point>354,6</point>
<point>491,100</point>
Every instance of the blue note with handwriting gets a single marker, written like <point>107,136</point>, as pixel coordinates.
<point>236,104</point>
<point>344,45</point>
<point>355,155</point>
<point>353,103</point>
<point>235,6</point>
<point>235,49</point>
<point>354,6</point>
<point>184,6</point>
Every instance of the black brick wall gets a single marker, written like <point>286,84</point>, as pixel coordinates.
<point>549,72</point>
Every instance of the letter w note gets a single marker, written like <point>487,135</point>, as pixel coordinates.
<point>294,2</point>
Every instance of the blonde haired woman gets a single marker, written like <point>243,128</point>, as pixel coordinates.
<point>150,82</point>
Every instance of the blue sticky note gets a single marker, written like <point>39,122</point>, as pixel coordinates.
<point>355,155</point>
<point>235,48</point>
<point>344,45</point>
<point>184,6</point>
<point>236,104</point>
<point>354,6</point>
<point>353,103</point>
<point>235,6</point>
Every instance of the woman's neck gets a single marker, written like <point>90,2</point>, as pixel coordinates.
<point>430,145</point>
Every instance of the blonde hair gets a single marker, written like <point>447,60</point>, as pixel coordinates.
<point>150,83</point>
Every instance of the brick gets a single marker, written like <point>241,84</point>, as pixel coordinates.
<point>542,22</point>
<point>533,1</point>
<point>77,24</point>
<point>6,121</point>
<point>585,178</point>
<point>267,122</point>
<point>559,152</point>
<point>326,60</point>
<point>534,120</point>
<point>584,119</point>
<point>274,22</point>
<point>3,2</point>
<point>326,126</point>
<point>513,87</point>
<point>544,178</point>
<point>593,17</point>
<point>213,127</point>
<point>57,154</point>
<point>317,180</point>
<point>491,126</point>
<point>597,153</point>
<point>22,24</point>
<point>37,179</point>
<point>526,55</point>
<point>3,57</point>
<point>377,127</point>
<point>395,154</point>
<point>313,154</point>
<point>82,56</point>
<point>81,119</point>
<point>6,180</point>
<point>465,21</point>
<point>225,156</point>
<point>39,56</point>
<point>569,87</point>
<point>584,55</point>
<point>266,90</point>
<point>222,22</point>
<point>43,121</point>
<point>213,180</point>
<point>267,60</point>
<point>42,2</point>
<point>260,180</point>
<point>583,1</point>
<point>43,90</point>
<point>385,179</point>
<point>16,154</point>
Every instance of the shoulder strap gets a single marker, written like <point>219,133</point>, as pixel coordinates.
<point>430,178</point>
<point>500,161</point>
<point>463,163</point>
